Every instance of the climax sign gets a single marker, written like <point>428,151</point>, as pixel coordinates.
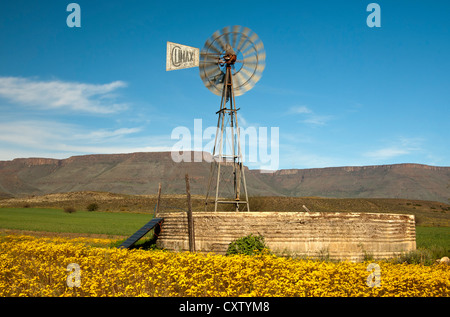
<point>181,56</point>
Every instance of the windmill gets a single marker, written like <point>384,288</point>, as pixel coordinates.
<point>231,62</point>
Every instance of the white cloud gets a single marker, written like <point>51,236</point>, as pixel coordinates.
<point>300,109</point>
<point>242,122</point>
<point>317,120</point>
<point>106,134</point>
<point>397,147</point>
<point>59,140</point>
<point>310,117</point>
<point>57,94</point>
<point>300,158</point>
<point>386,153</point>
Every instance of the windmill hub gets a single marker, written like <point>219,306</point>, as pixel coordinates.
<point>229,59</point>
<point>229,56</point>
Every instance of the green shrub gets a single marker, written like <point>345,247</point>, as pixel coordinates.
<point>248,245</point>
<point>424,256</point>
<point>419,256</point>
<point>92,207</point>
<point>69,210</point>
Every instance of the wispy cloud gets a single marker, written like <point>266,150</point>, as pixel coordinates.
<point>103,134</point>
<point>62,139</point>
<point>317,120</point>
<point>58,94</point>
<point>398,147</point>
<point>310,117</point>
<point>300,157</point>
<point>300,110</point>
<point>386,153</point>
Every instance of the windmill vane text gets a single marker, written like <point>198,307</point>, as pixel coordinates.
<point>180,56</point>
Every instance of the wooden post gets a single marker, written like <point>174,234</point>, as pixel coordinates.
<point>158,201</point>
<point>189,216</point>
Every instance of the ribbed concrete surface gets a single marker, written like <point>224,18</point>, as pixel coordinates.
<point>338,235</point>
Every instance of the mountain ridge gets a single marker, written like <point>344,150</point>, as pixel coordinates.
<point>141,172</point>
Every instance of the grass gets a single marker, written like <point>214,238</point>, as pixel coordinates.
<point>56,220</point>
<point>126,223</point>
<point>432,243</point>
<point>427,237</point>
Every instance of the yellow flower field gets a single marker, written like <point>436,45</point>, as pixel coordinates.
<point>38,267</point>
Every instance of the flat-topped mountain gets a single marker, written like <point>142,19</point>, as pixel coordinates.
<point>140,173</point>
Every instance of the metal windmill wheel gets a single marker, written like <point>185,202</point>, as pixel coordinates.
<point>238,46</point>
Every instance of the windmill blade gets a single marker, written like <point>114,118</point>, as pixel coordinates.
<point>246,31</point>
<point>254,37</point>
<point>206,58</point>
<point>210,47</point>
<point>219,45</point>
<point>210,55</point>
<point>212,70</point>
<point>259,46</point>
<point>242,42</point>
<point>210,60</point>
<point>214,82</point>
<point>246,73</point>
<point>246,47</point>
<point>235,34</point>
<point>218,39</point>
<point>244,36</point>
<point>242,90</point>
<point>213,88</point>
<point>262,56</point>
<point>255,64</point>
<point>256,58</point>
<point>226,32</point>
<point>251,60</point>
<point>254,79</point>
<point>239,80</point>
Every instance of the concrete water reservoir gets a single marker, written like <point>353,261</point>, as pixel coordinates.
<point>337,235</point>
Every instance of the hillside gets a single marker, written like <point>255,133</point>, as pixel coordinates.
<point>427,213</point>
<point>140,174</point>
<point>409,181</point>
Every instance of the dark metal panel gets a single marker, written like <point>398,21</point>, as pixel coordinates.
<point>141,232</point>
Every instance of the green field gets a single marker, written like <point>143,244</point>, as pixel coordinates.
<point>56,220</point>
<point>429,237</point>
<point>126,223</point>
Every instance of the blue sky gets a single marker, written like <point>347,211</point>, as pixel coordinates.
<point>341,93</point>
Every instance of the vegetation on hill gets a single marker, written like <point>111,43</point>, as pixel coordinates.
<point>427,213</point>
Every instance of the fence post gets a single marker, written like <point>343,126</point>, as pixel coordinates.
<point>189,216</point>
<point>158,201</point>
